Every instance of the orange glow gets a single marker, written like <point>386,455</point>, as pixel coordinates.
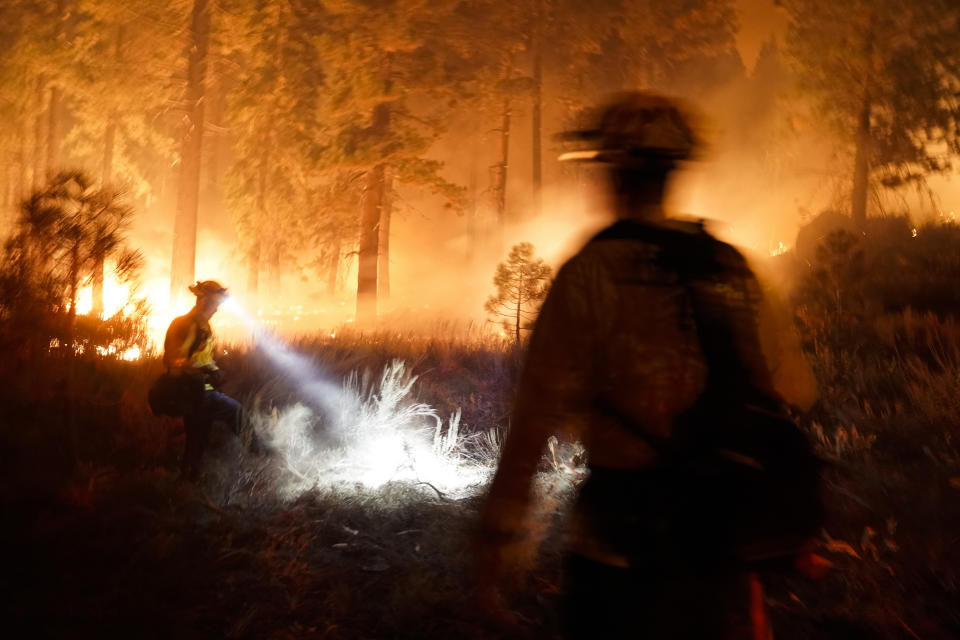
<point>117,297</point>
<point>131,354</point>
<point>162,312</point>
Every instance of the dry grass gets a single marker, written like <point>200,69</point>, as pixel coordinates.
<point>110,543</point>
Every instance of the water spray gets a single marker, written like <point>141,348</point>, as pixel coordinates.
<point>378,433</point>
<point>312,384</point>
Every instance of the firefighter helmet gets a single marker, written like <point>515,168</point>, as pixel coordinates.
<point>207,288</point>
<point>634,130</point>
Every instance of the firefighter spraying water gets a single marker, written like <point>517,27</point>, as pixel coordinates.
<point>362,430</point>
<point>189,388</point>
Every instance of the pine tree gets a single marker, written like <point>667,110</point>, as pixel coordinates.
<point>570,53</point>
<point>64,231</point>
<point>497,39</point>
<point>388,65</point>
<point>184,258</point>
<point>522,282</point>
<point>34,70</point>
<point>122,89</point>
<point>274,183</point>
<point>884,76</point>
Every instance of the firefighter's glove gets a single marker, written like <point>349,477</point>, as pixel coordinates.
<point>214,377</point>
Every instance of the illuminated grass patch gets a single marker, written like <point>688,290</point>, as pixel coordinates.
<point>373,433</point>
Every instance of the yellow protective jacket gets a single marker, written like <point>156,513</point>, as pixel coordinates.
<point>188,345</point>
<point>617,331</point>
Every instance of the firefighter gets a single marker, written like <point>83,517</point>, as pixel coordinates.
<point>614,360</point>
<point>188,352</point>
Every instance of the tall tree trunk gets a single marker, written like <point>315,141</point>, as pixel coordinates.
<point>274,264</point>
<point>253,273</point>
<point>501,173</point>
<point>537,37</point>
<point>369,250</point>
<point>184,259</point>
<point>383,262</point>
<point>333,268</point>
<point>861,166</point>
<point>368,253</point>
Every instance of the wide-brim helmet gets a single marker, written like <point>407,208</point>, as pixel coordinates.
<point>635,130</point>
<point>208,288</point>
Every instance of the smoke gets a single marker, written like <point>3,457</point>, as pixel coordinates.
<point>768,168</point>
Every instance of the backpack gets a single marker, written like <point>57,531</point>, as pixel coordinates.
<point>745,473</point>
<point>176,396</point>
<point>740,481</point>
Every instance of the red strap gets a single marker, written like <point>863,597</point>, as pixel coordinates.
<point>759,622</point>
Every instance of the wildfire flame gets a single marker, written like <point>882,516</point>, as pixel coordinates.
<point>119,299</point>
<point>116,297</point>
<point>131,354</point>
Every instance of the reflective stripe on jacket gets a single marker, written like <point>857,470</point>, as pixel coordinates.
<point>189,344</point>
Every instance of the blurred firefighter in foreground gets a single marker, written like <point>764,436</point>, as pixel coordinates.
<point>648,338</point>
<point>188,356</point>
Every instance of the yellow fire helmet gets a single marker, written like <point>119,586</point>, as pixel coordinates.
<point>208,288</point>
<point>634,130</point>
